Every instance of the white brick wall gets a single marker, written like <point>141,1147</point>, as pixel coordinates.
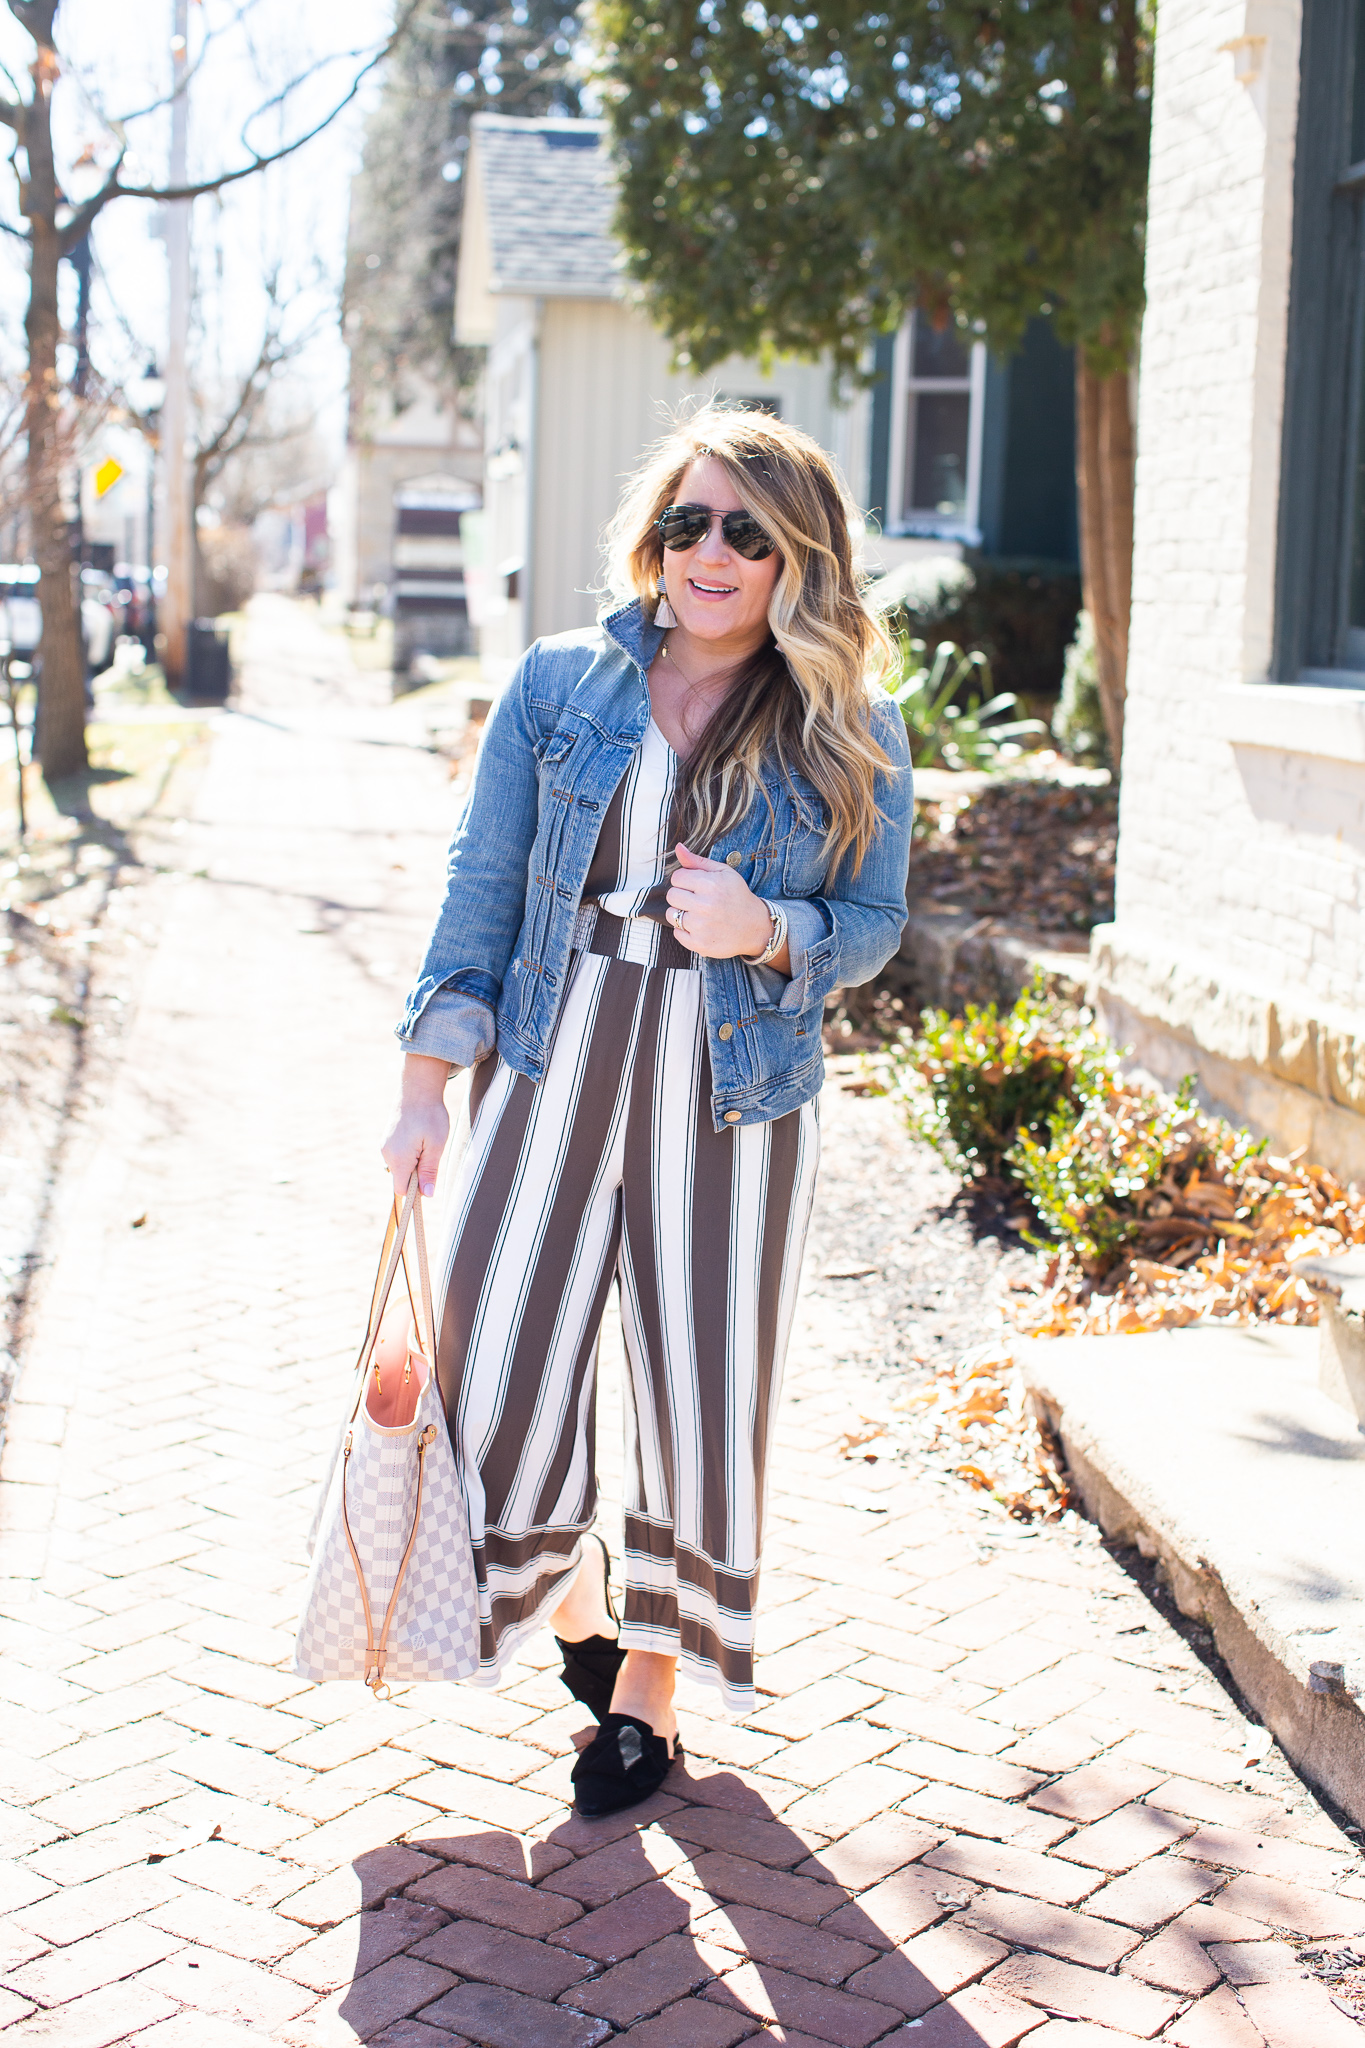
<point>1240,866</point>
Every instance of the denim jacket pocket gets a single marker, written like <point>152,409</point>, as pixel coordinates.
<point>772,826</point>
<point>805,861</point>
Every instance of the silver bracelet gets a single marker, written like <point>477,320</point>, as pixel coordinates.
<point>777,938</point>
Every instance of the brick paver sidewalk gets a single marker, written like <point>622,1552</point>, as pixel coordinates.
<point>989,1794</point>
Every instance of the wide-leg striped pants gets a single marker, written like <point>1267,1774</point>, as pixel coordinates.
<point>611,1168</point>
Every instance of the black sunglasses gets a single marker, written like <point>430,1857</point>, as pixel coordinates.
<point>683,526</point>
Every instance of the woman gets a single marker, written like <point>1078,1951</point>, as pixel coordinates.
<point>687,826</point>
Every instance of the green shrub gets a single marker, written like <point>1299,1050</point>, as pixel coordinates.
<point>1036,1097</point>
<point>943,732</point>
<point>1078,722</point>
<point>1104,1150</point>
<point>973,1085</point>
<point>923,593</point>
<point>1020,612</point>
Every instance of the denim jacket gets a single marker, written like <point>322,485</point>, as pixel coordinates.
<point>557,745</point>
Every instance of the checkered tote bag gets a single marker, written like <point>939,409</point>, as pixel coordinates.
<point>391,1596</point>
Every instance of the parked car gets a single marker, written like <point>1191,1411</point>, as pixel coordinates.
<point>22,621</point>
<point>101,619</point>
<point>101,613</point>
<point>131,589</point>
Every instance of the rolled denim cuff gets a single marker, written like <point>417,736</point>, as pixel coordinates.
<point>805,928</point>
<point>452,1027</point>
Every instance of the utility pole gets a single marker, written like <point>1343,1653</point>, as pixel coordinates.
<point>178,603</point>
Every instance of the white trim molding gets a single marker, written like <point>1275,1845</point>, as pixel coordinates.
<point>1295,718</point>
<point>901,520</point>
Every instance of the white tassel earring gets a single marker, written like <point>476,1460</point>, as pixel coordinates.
<point>665,616</point>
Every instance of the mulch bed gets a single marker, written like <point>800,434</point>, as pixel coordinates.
<point>897,1234</point>
<point>1215,1239</point>
<point>1034,853</point>
<point>1037,853</point>
<point>920,1272</point>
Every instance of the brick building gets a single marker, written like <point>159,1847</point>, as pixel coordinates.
<point>1238,949</point>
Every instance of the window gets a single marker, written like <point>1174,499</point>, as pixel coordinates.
<point>1353,649</point>
<point>1320,571</point>
<point>938,384</point>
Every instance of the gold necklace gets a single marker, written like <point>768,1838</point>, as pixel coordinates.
<point>691,681</point>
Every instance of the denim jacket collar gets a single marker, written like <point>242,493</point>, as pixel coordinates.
<point>627,628</point>
<point>553,753</point>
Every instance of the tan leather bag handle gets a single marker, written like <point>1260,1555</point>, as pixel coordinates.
<point>394,1252</point>
<point>395,1236</point>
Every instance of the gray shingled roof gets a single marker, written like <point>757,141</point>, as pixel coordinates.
<point>550,197</point>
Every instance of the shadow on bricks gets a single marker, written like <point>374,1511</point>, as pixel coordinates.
<point>694,1921</point>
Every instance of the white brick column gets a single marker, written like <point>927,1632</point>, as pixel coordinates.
<point>1238,950</point>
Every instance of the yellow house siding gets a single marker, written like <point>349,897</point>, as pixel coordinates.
<point>599,365</point>
<point>605,393</point>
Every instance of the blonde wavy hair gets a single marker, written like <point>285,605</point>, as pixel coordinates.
<point>803,702</point>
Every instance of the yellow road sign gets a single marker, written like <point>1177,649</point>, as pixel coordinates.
<point>107,475</point>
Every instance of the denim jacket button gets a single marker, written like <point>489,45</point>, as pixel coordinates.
<point>726,1031</point>
<point>732,1116</point>
<point>732,860</point>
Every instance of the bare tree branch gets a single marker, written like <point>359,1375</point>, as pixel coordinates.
<point>278,99</point>
<point>237,431</point>
<point>56,227</point>
<point>164,100</point>
<point>113,188</point>
<point>78,227</point>
<point>36,16</point>
<point>211,456</point>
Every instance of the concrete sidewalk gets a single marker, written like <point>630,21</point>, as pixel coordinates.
<point>989,1796</point>
<point>1221,1455</point>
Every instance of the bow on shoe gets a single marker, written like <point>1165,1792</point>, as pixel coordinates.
<point>623,1765</point>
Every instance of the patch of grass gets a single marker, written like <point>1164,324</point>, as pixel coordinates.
<point>371,645</point>
<point>143,688</point>
<point>459,677</point>
<point>131,763</point>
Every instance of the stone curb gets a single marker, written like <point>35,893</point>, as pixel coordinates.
<point>955,957</point>
<point>1212,1450</point>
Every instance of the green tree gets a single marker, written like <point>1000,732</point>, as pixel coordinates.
<point>796,182</point>
<point>404,242</point>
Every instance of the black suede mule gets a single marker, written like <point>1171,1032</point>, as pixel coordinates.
<point>590,1667</point>
<point>621,1766</point>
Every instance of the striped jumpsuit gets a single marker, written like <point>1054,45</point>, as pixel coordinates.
<point>610,1168</point>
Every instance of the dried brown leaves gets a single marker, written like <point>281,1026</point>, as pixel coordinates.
<point>1037,853</point>
<point>1216,1238</point>
<point>977,1414</point>
<point>1216,1243</point>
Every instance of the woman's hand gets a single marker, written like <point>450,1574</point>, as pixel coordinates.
<point>420,1130</point>
<point>721,916</point>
